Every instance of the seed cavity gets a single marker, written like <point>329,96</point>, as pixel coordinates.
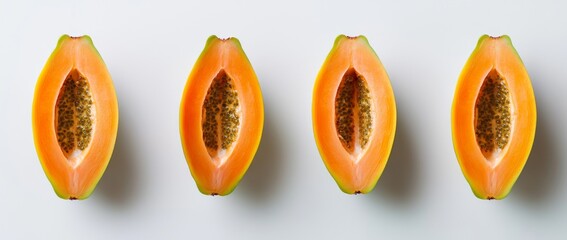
<point>221,120</point>
<point>493,115</point>
<point>353,112</point>
<point>74,118</point>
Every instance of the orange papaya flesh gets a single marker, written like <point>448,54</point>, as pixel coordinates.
<point>221,116</point>
<point>354,115</point>
<point>74,117</point>
<point>493,117</point>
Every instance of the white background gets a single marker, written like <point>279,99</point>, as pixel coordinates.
<point>150,47</point>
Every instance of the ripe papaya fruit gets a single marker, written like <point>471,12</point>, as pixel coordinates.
<point>221,116</point>
<point>493,117</point>
<point>74,117</point>
<point>354,114</point>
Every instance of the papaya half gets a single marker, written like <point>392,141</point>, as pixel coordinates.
<point>74,117</point>
<point>354,114</point>
<point>221,116</point>
<point>493,117</point>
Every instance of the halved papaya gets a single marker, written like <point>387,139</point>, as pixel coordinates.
<point>74,117</point>
<point>493,117</point>
<point>221,116</point>
<point>354,114</point>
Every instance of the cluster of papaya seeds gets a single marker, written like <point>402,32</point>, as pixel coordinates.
<point>354,114</point>
<point>221,116</point>
<point>74,117</point>
<point>493,117</point>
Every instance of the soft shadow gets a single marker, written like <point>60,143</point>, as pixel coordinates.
<point>118,185</point>
<point>399,179</point>
<point>261,179</point>
<point>540,178</point>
